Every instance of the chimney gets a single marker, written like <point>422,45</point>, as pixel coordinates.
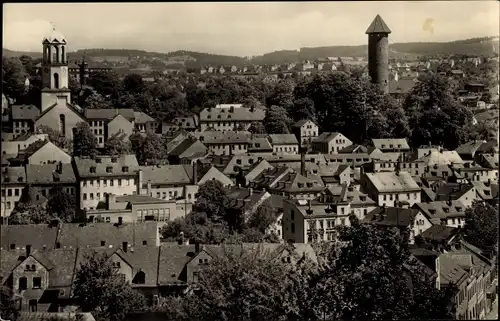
<point>120,220</point>
<point>59,168</point>
<point>148,188</point>
<point>303,163</point>
<point>195,172</point>
<point>250,191</point>
<point>197,247</point>
<point>139,183</point>
<point>28,250</point>
<point>125,246</point>
<point>110,201</point>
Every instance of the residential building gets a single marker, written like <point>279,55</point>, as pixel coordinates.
<point>388,188</point>
<point>330,143</point>
<point>103,175</point>
<point>284,143</point>
<point>259,144</point>
<point>449,213</point>
<point>14,146</point>
<point>23,119</point>
<point>188,151</point>
<point>13,182</point>
<point>359,202</point>
<point>465,193</point>
<point>385,145</point>
<point>106,122</point>
<point>143,123</point>
<point>225,143</point>
<point>306,131</point>
<point>169,182</point>
<point>41,152</point>
<point>44,177</point>
<point>229,119</point>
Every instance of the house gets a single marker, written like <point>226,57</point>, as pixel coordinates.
<point>255,170</point>
<point>385,145</point>
<point>390,188</point>
<point>134,208</point>
<point>105,122</point>
<point>21,142</point>
<point>439,158</point>
<point>330,143</point>
<point>450,213</point>
<point>359,202</point>
<point>187,151</point>
<point>168,182</point>
<point>311,221</point>
<point>229,119</point>
<point>331,174</point>
<point>23,119</point>
<point>13,182</point>
<point>105,174</point>
<point>474,172</point>
<point>239,163</point>
<point>287,159</point>
<point>187,123</point>
<point>225,143</point>
<point>403,218</point>
<point>306,131</point>
<point>259,143</point>
<point>284,143</point>
<point>468,150</point>
<point>465,193</point>
<point>244,202</point>
<point>41,152</point>
<point>144,123</point>
<point>440,236</point>
<point>44,177</point>
<point>209,173</point>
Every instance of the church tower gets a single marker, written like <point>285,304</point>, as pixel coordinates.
<point>378,53</point>
<point>54,70</point>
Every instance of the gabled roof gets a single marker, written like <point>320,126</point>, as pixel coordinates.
<point>470,147</point>
<point>378,26</point>
<point>391,181</point>
<point>25,112</point>
<point>302,122</point>
<point>189,147</point>
<point>452,191</point>
<point>172,261</point>
<point>283,139</point>
<point>47,174</point>
<point>391,216</point>
<point>390,143</point>
<point>108,113</point>
<point>71,107</point>
<point>235,114</point>
<point>326,137</point>
<point>142,118</point>
<point>124,165</point>
<point>439,233</point>
<point>165,174</point>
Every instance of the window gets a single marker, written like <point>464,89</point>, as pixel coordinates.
<point>84,196</point>
<point>37,282</point>
<point>33,305</point>
<point>56,80</point>
<point>293,227</point>
<point>196,276</point>
<point>23,283</point>
<point>144,242</point>
<point>16,192</point>
<point>109,169</point>
<point>92,196</point>
<point>92,169</point>
<point>103,243</point>
<point>9,192</point>
<point>62,124</point>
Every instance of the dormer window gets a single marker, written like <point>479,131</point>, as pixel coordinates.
<point>432,211</point>
<point>300,185</point>
<point>228,116</point>
<point>202,138</point>
<point>20,179</point>
<point>109,169</point>
<point>98,160</point>
<point>383,145</point>
<point>219,116</point>
<point>390,146</point>
<point>309,185</point>
<point>125,169</point>
<point>209,116</point>
<point>446,210</point>
<point>113,160</point>
<point>92,169</point>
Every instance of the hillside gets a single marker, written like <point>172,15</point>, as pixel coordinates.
<point>485,46</point>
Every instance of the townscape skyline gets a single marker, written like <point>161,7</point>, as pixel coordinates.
<point>242,29</point>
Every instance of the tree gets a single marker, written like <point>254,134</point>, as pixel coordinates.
<point>117,145</point>
<point>133,83</point>
<point>105,83</point>
<point>55,137</point>
<point>98,288</point>
<point>212,200</point>
<point>96,100</point>
<point>13,77</point>
<point>248,285</point>
<point>481,225</point>
<point>153,150</point>
<point>303,108</point>
<point>263,217</point>
<point>84,141</point>
<point>277,121</point>
<point>366,276</point>
<point>25,214</point>
<point>282,95</point>
<point>8,306</point>
<point>257,128</point>
<point>61,204</point>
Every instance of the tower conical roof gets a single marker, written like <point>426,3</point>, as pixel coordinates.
<point>378,26</point>
<point>55,36</point>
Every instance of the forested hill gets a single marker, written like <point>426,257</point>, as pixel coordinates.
<point>475,46</point>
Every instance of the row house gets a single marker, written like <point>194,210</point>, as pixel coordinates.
<point>390,188</point>
<point>225,143</point>
<point>103,175</point>
<point>23,119</point>
<point>306,131</point>
<point>288,159</point>
<point>105,123</point>
<point>331,174</point>
<point>330,143</point>
<point>449,213</point>
<point>477,173</point>
<point>227,119</point>
<point>13,183</point>
<point>312,221</point>
<point>284,143</point>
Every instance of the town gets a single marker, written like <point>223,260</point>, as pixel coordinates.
<point>335,188</point>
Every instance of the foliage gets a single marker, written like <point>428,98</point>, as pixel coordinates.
<point>61,204</point>
<point>212,200</point>
<point>26,214</point>
<point>257,128</point>
<point>151,149</point>
<point>263,217</point>
<point>84,141</point>
<point>117,145</point>
<point>98,288</point>
<point>8,306</point>
<point>105,83</point>
<point>55,137</point>
<point>481,225</point>
<point>133,83</point>
<point>282,95</point>
<point>96,100</point>
<point>251,285</point>
<point>13,77</point>
<point>303,108</point>
<point>277,121</point>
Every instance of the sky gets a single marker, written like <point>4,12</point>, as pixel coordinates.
<point>242,28</point>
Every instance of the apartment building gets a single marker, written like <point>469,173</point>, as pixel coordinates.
<point>330,143</point>
<point>13,183</point>
<point>284,143</point>
<point>227,119</point>
<point>105,123</point>
<point>389,188</point>
<point>306,131</point>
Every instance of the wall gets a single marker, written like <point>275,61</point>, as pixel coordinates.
<point>127,186</point>
<point>51,118</point>
<point>9,202</point>
<point>289,149</point>
<point>30,292</point>
<point>228,149</point>
<point>49,153</point>
<point>389,199</point>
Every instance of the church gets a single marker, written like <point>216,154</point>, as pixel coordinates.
<point>58,113</point>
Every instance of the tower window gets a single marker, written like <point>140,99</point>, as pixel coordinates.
<point>63,54</point>
<point>47,55</point>
<point>55,54</point>
<point>56,80</point>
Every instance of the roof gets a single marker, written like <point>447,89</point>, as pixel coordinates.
<point>13,175</point>
<point>469,148</point>
<point>350,194</point>
<point>302,122</point>
<point>142,118</point>
<point>107,113</point>
<point>283,139</point>
<point>259,143</point>
<point>165,174</point>
<point>450,271</point>
<point>492,114</point>
<point>232,114</point>
<point>391,216</point>
<point>62,265</point>
<point>441,209</point>
<point>454,191</point>
<point>441,158</point>
<point>172,260</point>
<point>143,259</point>
<point>378,26</point>
<point>36,235</point>
<point>392,181</point>
<point>189,147</point>
<point>25,112</point>
<point>55,316</point>
<point>390,143</point>
<point>54,36</point>
<point>9,259</point>
<point>325,137</point>
<point>47,174</point>
<point>439,233</point>
<point>124,165</point>
<point>227,137</point>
